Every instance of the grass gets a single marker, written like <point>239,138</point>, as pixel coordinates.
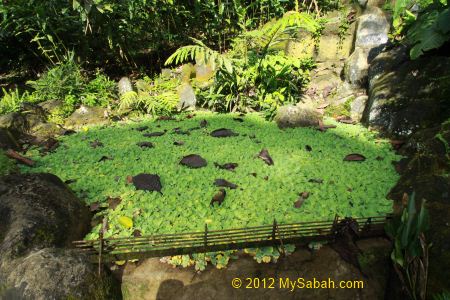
<point>355,189</point>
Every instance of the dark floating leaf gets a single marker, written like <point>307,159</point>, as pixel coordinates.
<point>253,174</point>
<point>299,202</point>
<point>304,195</point>
<point>156,133</point>
<point>147,182</point>
<point>190,116</point>
<point>193,161</point>
<point>308,148</point>
<point>203,123</point>
<point>96,144</point>
<point>129,179</point>
<point>178,143</point>
<point>227,166</point>
<point>224,183</point>
<point>264,155</point>
<point>103,158</point>
<point>316,180</point>
<point>145,144</point>
<point>137,233</point>
<point>354,157</point>
<point>238,119</point>
<point>113,202</point>
<point>266,178</point>
<point>94,207</point>
<point>164,118</point>
<point>142,128</point>
<point>178,130</point>
<point>223,132</point>
<point>69,132</point>
<point>219,197</point>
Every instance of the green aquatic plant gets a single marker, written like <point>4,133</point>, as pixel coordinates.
<point>99,161</point>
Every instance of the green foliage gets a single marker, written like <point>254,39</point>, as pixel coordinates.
<point>158,96</point>
<point>339,110</point>
<point>430,31</point>
<point>253,74</point>
<point>58,82</point>
<point>442,296</point>
<point>6,165</point>
<point>184,205</point>
<point>410,254</point>
<point>98,92</point>
<point>11,101</point>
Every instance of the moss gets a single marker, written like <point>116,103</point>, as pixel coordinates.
<point>340,110</point>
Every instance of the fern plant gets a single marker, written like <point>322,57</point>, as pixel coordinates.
<point>11,100</point>
<point>156,97</point>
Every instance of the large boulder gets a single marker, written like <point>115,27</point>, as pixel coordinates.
<point>408,96</point>
<point>14,122</point>
<point>85,116</point>
<point>371,38</point>
<point>39,211</point>
<point>301,115</point>
<point>39,216</point>
<point>187,96</point>
<point>52,273</point>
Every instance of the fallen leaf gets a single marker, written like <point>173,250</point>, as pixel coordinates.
<point>266,178</point>
<point>193,161</point>
<point>190,116</point>
<point>178,143</point>
<point>219,197</point>
<point>203,123</point>
<point>264,155</point>
<point>147,182</point>
<point>126,222</point>
<point>137,233</point>
<point>96,144</point>
<point>94,207</point>
<point>308,148</point>
<point>223,132</point>
<point>103,158</point>
<point>142,128</point>
<point>178,130</point>
<point>316,180</point>
<point>226,166</point>
<point>224,183</point>
<point>253,174</point>
<point>145,144</point>
<point>354,157</point>
<point>164,118</point>
<point>113,202</point>
<point>152,134</point>
<point>129,179</point>
<point>304,195</point>
<point>299,202</point>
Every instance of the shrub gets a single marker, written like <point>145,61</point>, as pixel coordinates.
<point>11,101</point>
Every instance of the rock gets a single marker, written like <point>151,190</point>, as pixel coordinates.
<point>8,140</point>
<point>387,61</point>
<point>409,97</point>
<point>15,122</point>
<point>34,114</point>
<point>154,280</point>
<point>187,96</point>
<point>301,47</point>
<point>39,211</point>
<point>203,71</point>
<point>124,86</point>
<point>297,116</point>
<point>357,107</point>
<point>331,47</point>
<point>51,106</point>
<point>86,115</point>
<point>44,131</point>
<point>362,3</point>
<point>356,67</point>
<point>56,274</point>
<point>371,38</point>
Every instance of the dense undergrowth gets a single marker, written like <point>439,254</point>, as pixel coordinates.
<point>264,192</point>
